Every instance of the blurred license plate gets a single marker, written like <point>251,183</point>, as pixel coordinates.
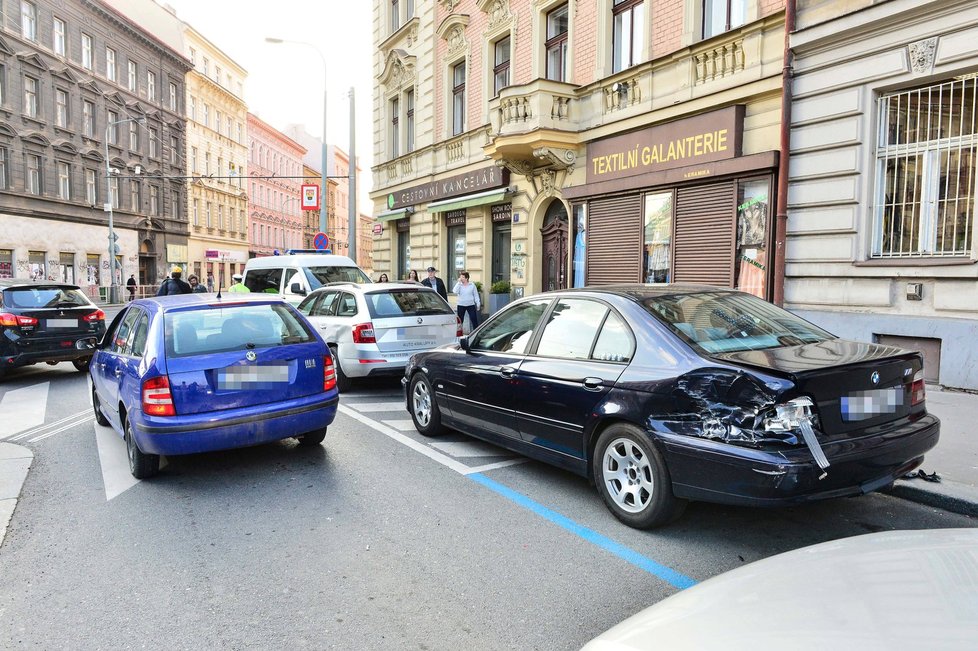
<point>62,323</point>
<point>252,377</point>
<point>418,332</point>
<point>869,404</point>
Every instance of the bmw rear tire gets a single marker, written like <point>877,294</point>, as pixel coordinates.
<point>424,409</point>
<point>632,478</point>
<point>142,466</point>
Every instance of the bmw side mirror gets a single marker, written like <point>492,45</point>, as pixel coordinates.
<point>296,288</point>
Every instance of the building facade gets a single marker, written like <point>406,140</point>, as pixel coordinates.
<point>91,116</point>
<point>310,220</point>
<point>553,144</point>
<point>881,242</point>
<point>276,174</point>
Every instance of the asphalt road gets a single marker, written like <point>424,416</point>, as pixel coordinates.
<point>378,539</point>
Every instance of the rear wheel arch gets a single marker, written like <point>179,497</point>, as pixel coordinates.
<point>598,429</point>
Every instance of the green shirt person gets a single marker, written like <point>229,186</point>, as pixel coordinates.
<point>238,286</point>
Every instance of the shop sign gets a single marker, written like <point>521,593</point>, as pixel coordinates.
<point>501,212</point>
<point>455,217</point>
<point>706,138</point>
<point>486,178</point>
<point>403,225</point>
<point>225,256</point>
<point>378,229</point>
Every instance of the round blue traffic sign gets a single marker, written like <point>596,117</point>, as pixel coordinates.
<point>321,241</point>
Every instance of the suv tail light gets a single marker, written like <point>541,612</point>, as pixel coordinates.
<point>364,334</point>
<point>917,390</point>
<point>14,320</point>
<point>157,400</point>
<point>97,315</point>
<point>329,373</point>
<point>458,328</point>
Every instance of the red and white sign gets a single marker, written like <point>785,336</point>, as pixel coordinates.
<point>310,197</point>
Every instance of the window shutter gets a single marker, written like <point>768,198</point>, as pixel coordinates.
<point>614,240</point>
<point>704,242</point>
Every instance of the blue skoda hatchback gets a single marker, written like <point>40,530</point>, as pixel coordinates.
<point>196,373</point>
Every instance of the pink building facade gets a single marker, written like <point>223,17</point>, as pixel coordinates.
<point>275,165</point>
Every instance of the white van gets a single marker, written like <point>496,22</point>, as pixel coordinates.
<point>294,276</point>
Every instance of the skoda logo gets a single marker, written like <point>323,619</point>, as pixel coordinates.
<point>251,356</point>
<point>420,320</point>
<point>875,377</point>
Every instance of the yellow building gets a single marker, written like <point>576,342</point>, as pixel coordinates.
<point>217,153</point>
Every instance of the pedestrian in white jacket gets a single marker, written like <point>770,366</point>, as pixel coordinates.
<point>468,299</point>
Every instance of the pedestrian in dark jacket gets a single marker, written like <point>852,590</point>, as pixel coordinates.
<point>435,283</point>
<point>195,286</point>
<point>174,284</point>
<point>131,286</point>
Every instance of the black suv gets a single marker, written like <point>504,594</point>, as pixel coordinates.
<point>43,322</point>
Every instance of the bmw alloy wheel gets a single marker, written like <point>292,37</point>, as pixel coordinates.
<point>627,474</point>
<point>421,401</point>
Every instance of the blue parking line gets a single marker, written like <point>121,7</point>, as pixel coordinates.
<point>667,574</point>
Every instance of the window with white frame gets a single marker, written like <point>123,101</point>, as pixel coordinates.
<point>458,98</point>
<point>395,132</point>
<point>88,118</point>
<point>3,169</point>
<point>135,202</point>
<point>151,86</point>
<point>196,212</point>
<point>113,125</point>
<point>207,215</point>
<point>628,22</point>
<point>132,76</point>
<point>409,121</point>
<point>61,108</point>
<point>64,181</point>
<point>721,16</point>
<point>926,171</point>
<point>193,160</point>
<point>28,20</point>
<point>556,44</point>
<point>154,200</point>
<point>91,187</point>
<point>133,136</point>
<point>33,185</point>
<point>193,108</point>
<point>86,60</point>
<point>500,69</point>
<point>114,191</point>
<point>111,72</point>
<point>30,97</point>
<point>154,139</point>
<point>395,15</point>
<point>3,84</point>
<point>174,145</point>
<point>173,97</point>
<point>60,37</point>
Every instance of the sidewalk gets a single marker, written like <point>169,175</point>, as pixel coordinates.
<point>15,460</point>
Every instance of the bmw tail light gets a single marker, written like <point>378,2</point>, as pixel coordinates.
<point>329,373</point>
<point>363,333</point>
<point>458,328</point>
<point>917,390</point>
<point>97,315</point>
<point>157,399</point>
<point>15,320</point>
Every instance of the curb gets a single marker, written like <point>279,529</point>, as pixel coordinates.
<point>947,495</point>
<point>15,461</point>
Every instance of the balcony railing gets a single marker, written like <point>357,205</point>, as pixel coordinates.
<point>542,104</point>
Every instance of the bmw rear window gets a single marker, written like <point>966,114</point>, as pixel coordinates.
<point>40,297</point>
<point>232,327</point>
<point>405,302</point>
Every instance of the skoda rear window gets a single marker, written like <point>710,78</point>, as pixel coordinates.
<point>319,276</point>
<point>722,322</point>
<point>41,297</point>
<point>405,302</point>
<point>236,327</point>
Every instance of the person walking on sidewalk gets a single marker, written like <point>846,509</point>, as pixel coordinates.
<point>468,300</point>
<point>131,286</point>
<point>174,285</point>
<point>435,283</point>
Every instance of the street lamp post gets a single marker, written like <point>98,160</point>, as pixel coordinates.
<point>113,285</point>
<point>322,189</point>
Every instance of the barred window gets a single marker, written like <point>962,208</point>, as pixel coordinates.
<point>926,171</point>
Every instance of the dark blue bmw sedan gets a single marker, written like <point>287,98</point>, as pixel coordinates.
<point>195,373</point>
<point>661,394</point>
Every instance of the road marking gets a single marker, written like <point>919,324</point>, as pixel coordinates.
<point>501,464</point>
<point>74,419</point>
<point>114,460</point>
<point>402,425</point>
<point>366,407</point>
<point>64,428</point>
<point>23,408</point>
<point>667,574</point>
<point>469,449</point>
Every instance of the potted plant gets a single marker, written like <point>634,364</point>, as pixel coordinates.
<point>499,295</point>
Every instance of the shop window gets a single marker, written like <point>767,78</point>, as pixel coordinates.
<point>753,218</point>
<point>92,268</point>
<point>403,251</point>
<point>926,170</point>
<point>721,16</point>
<point>35,265</point>
<point>658,238</point>
<point>580,244</point>
<point>455,222</point>
<point>556,44</point>
<point>6,263</point>
<point>66,268</point>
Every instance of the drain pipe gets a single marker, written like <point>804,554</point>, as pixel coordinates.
<point>781,221</point>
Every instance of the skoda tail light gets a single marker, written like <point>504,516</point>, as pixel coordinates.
<point>363,333</point>
<point>157,399</point>
<point>329,373</point>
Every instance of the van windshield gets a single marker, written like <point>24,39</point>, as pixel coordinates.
<point>319,276</point>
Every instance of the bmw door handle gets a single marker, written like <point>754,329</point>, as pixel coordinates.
<point>507,371</point>
<point>592,383</point>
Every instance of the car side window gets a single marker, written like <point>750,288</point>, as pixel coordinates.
<point>346,305</point>
<point>327,307</point>
<point>293,276</point>
<point>511,331</point>
<point>122,333</point>
<point>137,342</point>
<point>264,280</point>
<point>309,304</point>
<point>571,329</point>
<point>615,343</point>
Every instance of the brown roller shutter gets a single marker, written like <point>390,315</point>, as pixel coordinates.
<point>614,240</point>
<point>703,247</point>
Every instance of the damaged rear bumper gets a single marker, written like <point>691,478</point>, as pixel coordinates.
<point>713,471</point>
